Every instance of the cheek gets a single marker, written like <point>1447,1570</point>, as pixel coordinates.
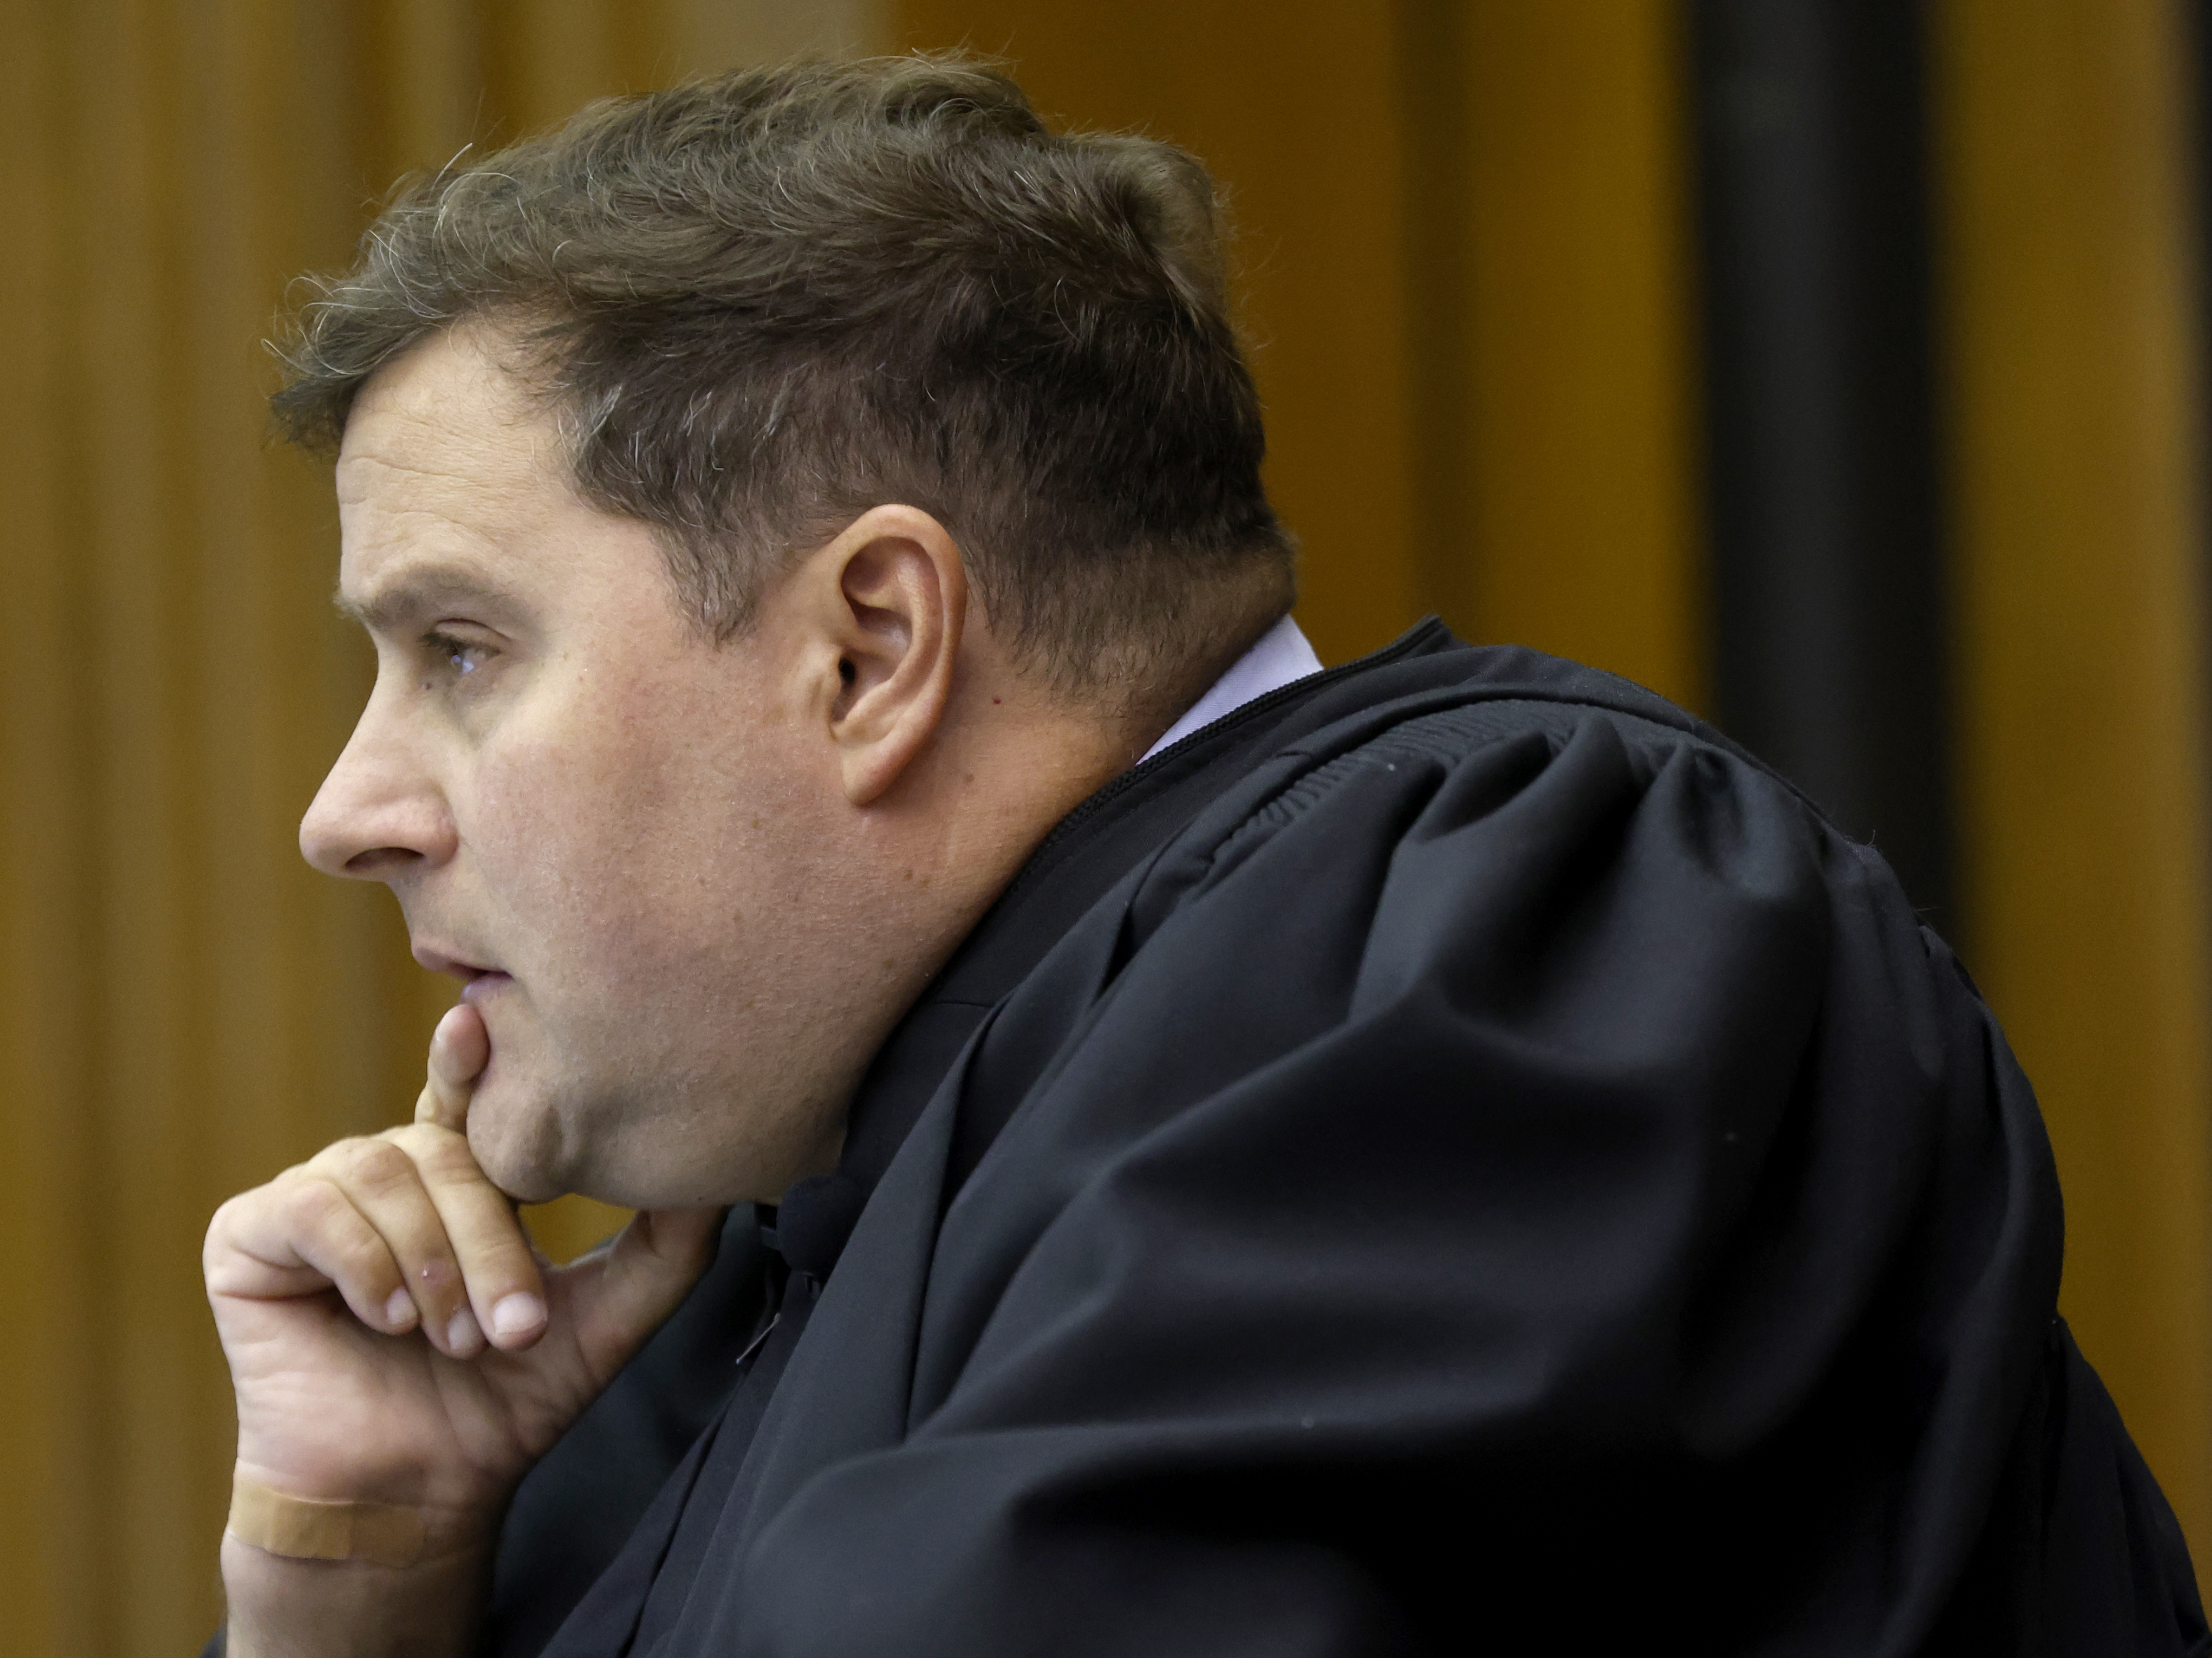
<point>640,853</point>
<point>555,832</point>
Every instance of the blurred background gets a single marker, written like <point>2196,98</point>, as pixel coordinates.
<point>1837,369</point>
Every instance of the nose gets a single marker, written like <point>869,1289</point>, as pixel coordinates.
<point>380,815</point>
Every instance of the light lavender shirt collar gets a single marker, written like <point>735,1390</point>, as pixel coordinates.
<point>1280,657</point>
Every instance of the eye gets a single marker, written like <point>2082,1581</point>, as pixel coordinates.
<point>459,657</point>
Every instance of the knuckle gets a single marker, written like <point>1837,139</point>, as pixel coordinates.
<point>314,1205</point>
<point>225,1216</point>
<point>490,1241</point>
<point>446,1159</point>
<point>337,1160</point>
<point>504,1255</point>
<point>379,1166</point>
<point>424,1249</point>
<point>232,1217</point>
<point>364,1257</point>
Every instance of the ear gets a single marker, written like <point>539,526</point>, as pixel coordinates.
<point>892,601</point>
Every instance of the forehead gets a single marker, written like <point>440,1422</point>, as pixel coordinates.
<point>453,476</point>
<point>447,419</point>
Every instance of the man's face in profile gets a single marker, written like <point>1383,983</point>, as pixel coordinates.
<point>612,829</point>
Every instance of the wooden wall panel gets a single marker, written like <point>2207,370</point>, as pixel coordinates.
<point>2076,446</point>
<point>46,1391</point>
<point>1579,459</point>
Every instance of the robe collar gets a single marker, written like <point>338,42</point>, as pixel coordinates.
<point>1088,850</point>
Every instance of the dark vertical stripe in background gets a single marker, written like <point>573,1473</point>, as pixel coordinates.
<point>1828,592</point>
<point>2194,26</point>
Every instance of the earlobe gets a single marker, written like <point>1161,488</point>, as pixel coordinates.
<point>900,608</point>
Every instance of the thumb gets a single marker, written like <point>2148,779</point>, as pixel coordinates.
<point>460,1047</point>
<point>624,1291</point>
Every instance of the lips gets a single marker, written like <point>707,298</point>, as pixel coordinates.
<point>478,981</point>
<point>482,983</point>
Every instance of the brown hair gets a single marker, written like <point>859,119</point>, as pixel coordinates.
<point>765,303</point>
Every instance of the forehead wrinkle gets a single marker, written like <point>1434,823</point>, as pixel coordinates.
<point>425,537</point>
<point>458,463</point>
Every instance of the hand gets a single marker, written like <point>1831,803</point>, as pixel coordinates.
<point>392,1338</point>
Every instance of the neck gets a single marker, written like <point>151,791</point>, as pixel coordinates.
<point>1006,764</point>
<point>998,792</point>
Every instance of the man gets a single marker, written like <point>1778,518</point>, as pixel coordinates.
<point>1220,1157</point>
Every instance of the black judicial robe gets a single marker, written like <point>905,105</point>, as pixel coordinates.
<point>1454,1155</point>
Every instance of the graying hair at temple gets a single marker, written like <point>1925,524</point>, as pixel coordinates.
<point>762,303</point>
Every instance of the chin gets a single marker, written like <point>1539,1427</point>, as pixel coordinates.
<point>514,1144</point>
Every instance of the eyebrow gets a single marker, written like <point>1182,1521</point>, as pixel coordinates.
<point>421,591</point>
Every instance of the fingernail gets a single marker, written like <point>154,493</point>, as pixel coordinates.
<point>516,1314</point>
<point>400,1311</point>
<point>462,1335</point>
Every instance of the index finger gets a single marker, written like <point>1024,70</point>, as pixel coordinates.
<point>460,1047</point>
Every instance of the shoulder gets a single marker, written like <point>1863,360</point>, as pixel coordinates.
<point>1520,768</point>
